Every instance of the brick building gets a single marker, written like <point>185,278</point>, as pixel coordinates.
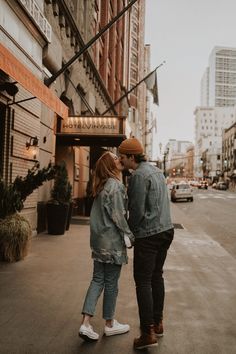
<point>37,38</point>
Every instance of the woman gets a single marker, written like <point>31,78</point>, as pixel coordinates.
<point>109,237</point>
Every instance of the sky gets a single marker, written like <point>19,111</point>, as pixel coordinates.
<point>183,33</point>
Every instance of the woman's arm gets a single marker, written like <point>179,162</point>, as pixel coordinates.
<point>117,212</point>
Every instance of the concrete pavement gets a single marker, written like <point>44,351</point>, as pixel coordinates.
<point>41,298</point>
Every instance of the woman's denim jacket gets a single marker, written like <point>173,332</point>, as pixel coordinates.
<point>108,224</point>
<point>149,206</point>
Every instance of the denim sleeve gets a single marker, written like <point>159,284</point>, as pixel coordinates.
<point>137,191</point>
<point>116,210</point>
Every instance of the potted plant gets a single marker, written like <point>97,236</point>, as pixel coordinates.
<point>58,206</point>
<point>15,230</point>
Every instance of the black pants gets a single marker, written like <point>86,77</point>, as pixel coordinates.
<point>149,258</point>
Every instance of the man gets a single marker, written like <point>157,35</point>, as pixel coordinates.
<point>150,222</point>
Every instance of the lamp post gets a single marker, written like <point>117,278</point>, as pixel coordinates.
<point>201,162</point>
<point>164,161</point>
<point>225,164</point>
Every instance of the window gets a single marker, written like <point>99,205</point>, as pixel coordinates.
<point>134,59</point>
<point>133,114</point>
<point>134,74</point>
<point>135,27</point>
<point>135,43</point>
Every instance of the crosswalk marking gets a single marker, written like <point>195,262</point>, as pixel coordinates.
<point>215,196</point>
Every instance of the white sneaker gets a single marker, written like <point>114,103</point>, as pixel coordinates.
<point>117,328</point>
<point>87,333</point>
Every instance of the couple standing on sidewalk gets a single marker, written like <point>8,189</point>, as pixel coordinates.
<point>149,228</point>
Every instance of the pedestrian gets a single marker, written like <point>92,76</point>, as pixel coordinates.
<point>150,222</point>
<point>109,237</point>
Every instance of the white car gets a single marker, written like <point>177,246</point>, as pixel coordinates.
<point>181,191</point>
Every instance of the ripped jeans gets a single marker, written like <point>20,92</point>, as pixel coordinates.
<point>105,277</point>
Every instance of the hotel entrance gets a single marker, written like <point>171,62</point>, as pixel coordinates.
<point>83,139</point>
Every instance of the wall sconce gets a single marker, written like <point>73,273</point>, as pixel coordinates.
<point>9,87</point>
<point>32,144</point>
<point>33,141</point>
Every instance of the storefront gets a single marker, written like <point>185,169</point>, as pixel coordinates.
<point>28,113</point>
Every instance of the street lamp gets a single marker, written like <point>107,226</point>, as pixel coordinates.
<point>201,162</point>
<point>164,161</point>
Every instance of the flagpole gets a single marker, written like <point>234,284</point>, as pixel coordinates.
<point>132,88</point>
<point>50,80</point>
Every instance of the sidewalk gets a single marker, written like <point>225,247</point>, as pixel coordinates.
<point>41,298</point>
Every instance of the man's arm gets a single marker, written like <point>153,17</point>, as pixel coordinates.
<point>137,195</point>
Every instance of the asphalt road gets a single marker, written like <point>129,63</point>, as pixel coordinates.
<point>212,212</point>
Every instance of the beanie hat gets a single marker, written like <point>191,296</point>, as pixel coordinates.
<point>131,146</point>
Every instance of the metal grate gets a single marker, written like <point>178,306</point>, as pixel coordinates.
<point>178,226</point>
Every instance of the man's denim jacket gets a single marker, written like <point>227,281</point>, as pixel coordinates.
<point>108,224</point>
<point>149,206</point>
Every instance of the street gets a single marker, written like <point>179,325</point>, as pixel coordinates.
<point>41,297</point>
<point>212,212</point>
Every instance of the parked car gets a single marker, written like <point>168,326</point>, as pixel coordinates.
<point>181,191</point>
<point>202,185</point>
<point>193,183</point>
<point>170,185</point>
<point>221,186</point>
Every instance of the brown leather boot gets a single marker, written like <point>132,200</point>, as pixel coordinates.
<point>158,328</point>
<point>147,338</point>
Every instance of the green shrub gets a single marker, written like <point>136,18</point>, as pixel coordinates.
<point>61,192</point>
<point>12,196</point>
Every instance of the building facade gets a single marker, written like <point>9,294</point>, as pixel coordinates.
<point>30,110</point>
<point>65,111</point>
<point>204,94</point>
<point>229,155</point>
<point>209,125</point>
<point>137,98</point>
<point>176,159</point>
<point>218,85</point>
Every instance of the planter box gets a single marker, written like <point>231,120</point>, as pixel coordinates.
<point>57,215</point>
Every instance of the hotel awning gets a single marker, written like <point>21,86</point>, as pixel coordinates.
<point>90,140</point>
<point>22,75</point>
<point>92,131</point>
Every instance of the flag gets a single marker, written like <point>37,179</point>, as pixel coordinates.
<point>151,83</point>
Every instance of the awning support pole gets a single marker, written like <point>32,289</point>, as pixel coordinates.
<point>16,102</point>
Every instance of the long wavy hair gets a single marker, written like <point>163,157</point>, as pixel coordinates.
<point>105,168</point>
